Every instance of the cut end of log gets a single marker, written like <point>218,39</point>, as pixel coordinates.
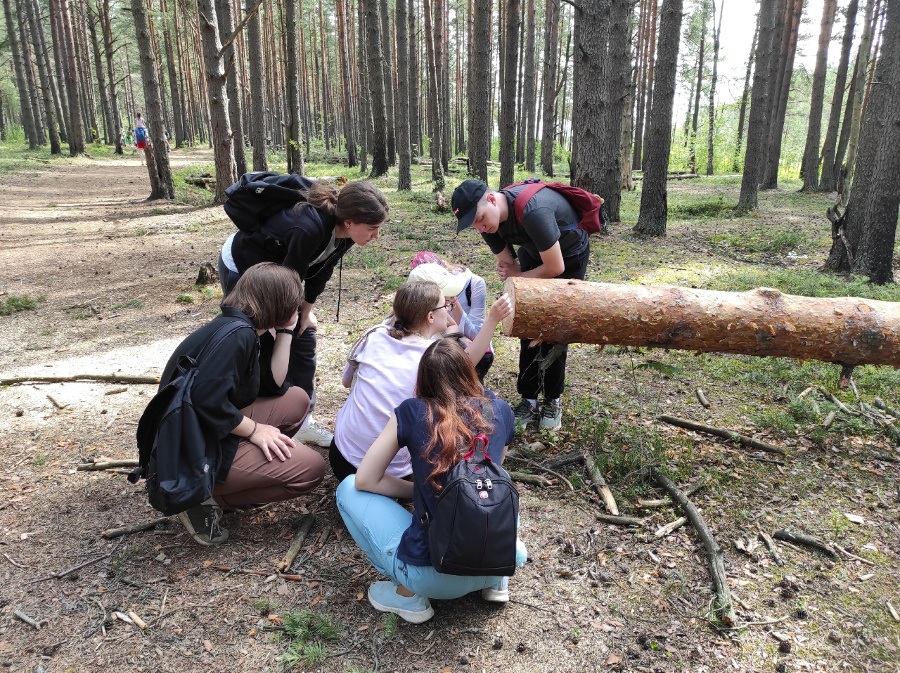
<point>509,287</point>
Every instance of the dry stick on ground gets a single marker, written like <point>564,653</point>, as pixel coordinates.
<point>107,378</point>
<point>533,479</point>
<point>260,573</point>
<point>107,464</point>
<point>807,540</point>
<point>620,520</point>
<point>670,527</point>
<point>545,469</point>
<point>56,404</point>
<point>690,490</point>
<point>725,434</point>
<point>770,545</point>
<point>884,407</point>
<point>701,398</point>
<point>28,620</point>
<point>565,460</point>
<point>854,557</point>
<point>716,557</point>
<point>299,537</point>
<point>71,570</point>
<point>601,486</point>
<point>135,528</point>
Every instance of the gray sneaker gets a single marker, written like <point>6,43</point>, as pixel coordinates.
<point>314,433</point>
<point>551,415</point>
<point>525,414</point>
<point>204,523</point>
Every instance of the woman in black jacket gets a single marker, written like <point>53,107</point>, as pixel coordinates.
<point>240,394</point>
<point>310,238</point>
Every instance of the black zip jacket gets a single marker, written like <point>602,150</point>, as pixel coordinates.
<point>228,379</point>
<point>293,238</point>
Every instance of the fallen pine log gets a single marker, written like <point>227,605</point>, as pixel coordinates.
<point>106,378</point>
<point>724,434</point>
<point>762,322</point>
<point>806,540</point>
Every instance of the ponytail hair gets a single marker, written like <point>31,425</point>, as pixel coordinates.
<point>358,201</point>
<point>412,304</point>
<point>454,398</point>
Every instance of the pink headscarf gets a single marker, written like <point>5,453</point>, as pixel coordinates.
<point>425,257</point>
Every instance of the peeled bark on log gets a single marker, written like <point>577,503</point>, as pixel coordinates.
<point>762,322</point>
<point>725,607</point>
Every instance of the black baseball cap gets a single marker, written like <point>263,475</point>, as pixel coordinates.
<point>465,202</point>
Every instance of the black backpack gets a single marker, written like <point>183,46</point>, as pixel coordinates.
<point>474,526</point>
<point>255,197</point>
<point>177,455</point>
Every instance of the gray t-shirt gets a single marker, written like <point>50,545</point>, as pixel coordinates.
<point>539,230</point>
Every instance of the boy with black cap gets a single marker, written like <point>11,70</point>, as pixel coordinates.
<point>550,246</point>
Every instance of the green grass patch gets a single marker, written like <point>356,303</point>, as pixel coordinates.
<point>131,303</point>
<point>759,239</point>
<point>184,299</point>
<point>309,633</point>
<point>16,303</point>
<point>701,208</point>
<point>803,282</point>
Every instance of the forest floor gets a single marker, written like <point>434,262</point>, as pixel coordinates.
<point>112,279</point>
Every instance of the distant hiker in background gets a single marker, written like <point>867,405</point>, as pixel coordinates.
<point>470,307</point>
<point>550,245</point>
<point>140,136</point>
<point>310,237</point>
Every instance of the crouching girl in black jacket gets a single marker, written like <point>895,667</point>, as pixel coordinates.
<point>240,395</point>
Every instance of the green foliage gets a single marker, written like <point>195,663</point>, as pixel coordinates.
<point>803,282</point>
<point>184,299</point>
<point>265,606</point>
<point>702,208</point>
<point>307,631</point>
<point>40,459</point>
<point>391,623</point>
<point>15,303</point>
<point>131,303</point>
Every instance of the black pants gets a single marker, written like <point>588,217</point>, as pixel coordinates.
<point>531,381</point>
<point>341,467</point>
<point>302,364</point>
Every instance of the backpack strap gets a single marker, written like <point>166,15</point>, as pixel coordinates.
<point>532,187</point>
<point>219,336</point>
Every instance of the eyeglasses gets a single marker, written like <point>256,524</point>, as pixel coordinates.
<point>448,306</point>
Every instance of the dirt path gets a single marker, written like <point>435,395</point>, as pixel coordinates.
<point>112,269</point>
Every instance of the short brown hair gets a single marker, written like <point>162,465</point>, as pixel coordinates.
<point>268,293</point>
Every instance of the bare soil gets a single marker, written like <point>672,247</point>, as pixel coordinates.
<point>111,268</point>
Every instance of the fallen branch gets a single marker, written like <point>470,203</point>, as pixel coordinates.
<point>701,398</point>
<point>601,486</point>
<point>771,547</point>
<point>807,540</point>
<point>135,528</point>
<point>725,607</point>
<point>28,620</point>
<point>885,408</point>
<point>766,460</point>
<point>261,573</point>
<point>299,537</point>
<point>690,490</point>
<point>854,557</point>
<point>619,520</point>
<point>116,391</point>
<point>56,404</point>
<point>545,469</point>
<point>565,460</point>
<point>533,479</point>
<point>670,527</point>
<point>107,464</point>
<point>107,378</point>
<point>15,563</point>
<point>721,432</point>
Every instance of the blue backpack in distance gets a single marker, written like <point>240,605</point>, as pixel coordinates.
<point>140,134</point>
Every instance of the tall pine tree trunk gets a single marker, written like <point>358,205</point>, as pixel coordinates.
<point>45,75</point>
<point>654,202</point>
<point>292,114</point>
<point>349,98</point>
<point>220,123</point>
<point>108,125</point>
<point>388,80</point>
<point>376,89</point>
<point>404,179</point>
<point>257,91</point>
<point>34,92</point>
<point>710,149</point>
<point>551,62</point>
<point>698,89</point>
<point>481,76</point>
<point>73,85</point>
<point>828,178</point>
<point>25,100</point>
<point>225,17</point>
<point>618,90</point>
<point>810,167</point>
<point>759,101</point>
<point>415,116</point>
<point>779,107</point>
<point>528,95</point>
<point>161,184</point>
<point>745,98</point>
<point>365,112</point>
<point>508,107</point>
<point>434,100</point>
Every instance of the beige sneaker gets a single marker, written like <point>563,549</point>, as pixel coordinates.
<point>312,432</point>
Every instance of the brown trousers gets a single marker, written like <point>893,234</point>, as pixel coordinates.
<point>252,480</point>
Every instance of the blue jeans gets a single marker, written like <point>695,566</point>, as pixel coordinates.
<point>376,523</point>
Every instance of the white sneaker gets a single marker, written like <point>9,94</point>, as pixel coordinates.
<point>312,432</point>
<point>498,593</point>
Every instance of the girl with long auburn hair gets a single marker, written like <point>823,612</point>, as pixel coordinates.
<point>310,238</point>
<point>382,369</point>
<point>438,426</point>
